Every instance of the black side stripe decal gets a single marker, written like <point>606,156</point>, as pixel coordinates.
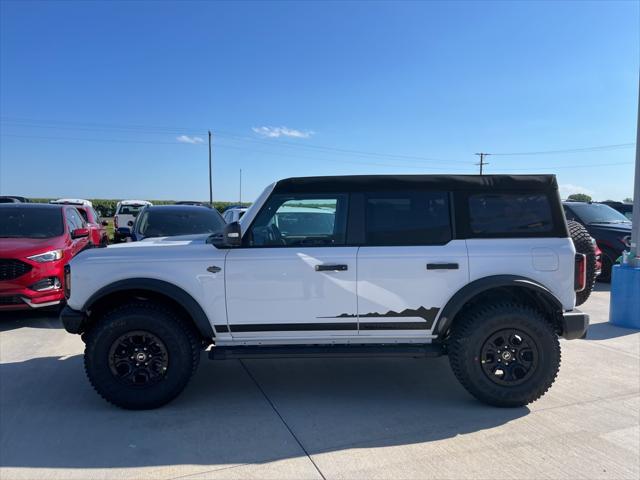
<point>394,326</point>
<point>305,327</point>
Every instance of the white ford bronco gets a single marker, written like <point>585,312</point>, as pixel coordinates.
<point>480,268</point>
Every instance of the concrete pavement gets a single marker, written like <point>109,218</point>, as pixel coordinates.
<point>380,418</point>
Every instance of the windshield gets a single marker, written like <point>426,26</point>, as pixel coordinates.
<point>31,222</point>
<point>169,222</point>
<point>598,213</point>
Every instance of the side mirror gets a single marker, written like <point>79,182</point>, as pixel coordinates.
<point>104,223</point>
<point>232,235</point>
<point>124,231</point>
<point>80,233</point>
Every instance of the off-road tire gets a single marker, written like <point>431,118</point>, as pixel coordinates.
<point>180,342</point>
<point>583,244</point>
<point>471,332</point>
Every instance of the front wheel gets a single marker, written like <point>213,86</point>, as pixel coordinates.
<point>140,355</point>
<point>506,355</point>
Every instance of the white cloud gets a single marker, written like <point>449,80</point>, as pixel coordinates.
<point>276,132</point>
<point>567,189</point>
<point>188,139</point>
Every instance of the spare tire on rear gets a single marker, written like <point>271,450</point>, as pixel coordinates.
<point>584,244</point>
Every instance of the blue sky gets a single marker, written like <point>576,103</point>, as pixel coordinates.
<point>114,99</point>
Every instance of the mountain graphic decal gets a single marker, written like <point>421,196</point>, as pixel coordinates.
<point>428,314</point>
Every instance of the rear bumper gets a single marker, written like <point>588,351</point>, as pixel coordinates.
<point>574,324</point>
<point>73,320</point>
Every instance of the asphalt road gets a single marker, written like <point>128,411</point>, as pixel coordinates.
<point>381,418</point>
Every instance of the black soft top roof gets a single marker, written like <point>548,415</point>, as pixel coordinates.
<point>362,183</point>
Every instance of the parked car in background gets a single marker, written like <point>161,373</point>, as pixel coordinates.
<point>13,199</point>
<point>173,220</point>
<point>36,242</point>
<point>97,228</point>
<point>233,213</point>
<point>624,208</point>
<point>610,229</point>
<point>125,217</point>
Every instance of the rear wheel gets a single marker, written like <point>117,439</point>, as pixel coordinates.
<point>507,355</point>
<point>607,267</point>
<point>140,355</point>
<point>584,244</point>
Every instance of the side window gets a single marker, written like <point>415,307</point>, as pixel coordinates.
<point>73,219</point>
<point>509,214</point>
<point>309,221</point>
<point>83,213</point>
<point>569,214</point>
<point>68,220</point>
<point>407,218</point>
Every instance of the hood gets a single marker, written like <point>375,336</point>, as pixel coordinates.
<point>25,247</point>
<point>622,228</point>
<point>162,249</point>
<point>198,239</point>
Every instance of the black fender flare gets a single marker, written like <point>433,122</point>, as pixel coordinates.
<point>477,287</point>
<point>177,294</point>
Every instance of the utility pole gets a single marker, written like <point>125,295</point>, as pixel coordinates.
<point>210,180</point>
<point>482,162</point>
<point>635,226</point>
<point>240,202</point>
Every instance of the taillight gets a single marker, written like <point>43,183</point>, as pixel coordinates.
<point>115,222</point>
<point>580,281</point>
<point>67,281</point>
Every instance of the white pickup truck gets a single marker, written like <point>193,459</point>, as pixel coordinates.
<point>480,268</point>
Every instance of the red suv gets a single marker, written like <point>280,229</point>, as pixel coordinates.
<point>36,242</point>
<point>97,231</point>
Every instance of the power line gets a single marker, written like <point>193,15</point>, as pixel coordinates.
<point>219,133</point>
<point>554,167</point>
<point>596,148</point>
<point>234,147</point>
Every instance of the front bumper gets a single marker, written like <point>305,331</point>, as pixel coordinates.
<point>18,293</point>
<point>73,320</point>
<point>24,299</point>
<point>574,324</point>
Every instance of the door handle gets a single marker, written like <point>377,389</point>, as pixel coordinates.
<point>331,268</point>
<point>442,266</point>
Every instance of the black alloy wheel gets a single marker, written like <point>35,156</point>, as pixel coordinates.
<point>509,357</point>
<point>139,359</point>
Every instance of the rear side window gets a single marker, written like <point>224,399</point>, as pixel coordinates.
<point>509,214</point>
<point>407,218</point>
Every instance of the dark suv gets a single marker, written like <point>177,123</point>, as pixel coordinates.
<point>610,228</point>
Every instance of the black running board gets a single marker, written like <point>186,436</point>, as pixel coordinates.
<point>326,351</point>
